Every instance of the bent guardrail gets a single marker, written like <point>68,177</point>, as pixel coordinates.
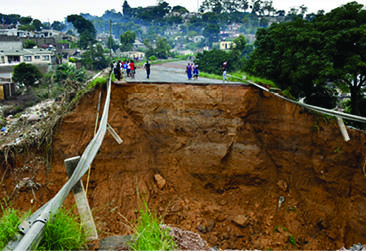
<point>311,107</point>
<point>33,227</point>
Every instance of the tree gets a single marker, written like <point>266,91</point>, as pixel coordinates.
<point>224,6</point>
<point>268,6</point>
<point>293,55</point>
<point>162,49</point>
<point>211,32</point>
<point>215,6</point>
<point>82,25</point>
<point>29,44</point>
<point>27,27</point>
<point>111,43</point>
<point>12,19</point>
<point>127,40</point>
<point>86,39</point>
<point>85,28</point>
<point>25,20</point>
<point>239,43</point>
<point>69,71</point>
<point>57,25</point>
<point>180,9</point>
<point>126,9</point>
<point>37,24</point>
<point>345,30</point>
<point>94,58</point>
<point>46,25</point>
<point>257,7</point>
<point>26,74</point>
<point>211,61</point>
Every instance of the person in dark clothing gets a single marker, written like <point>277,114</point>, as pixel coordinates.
<point>147,68</point>
<point>195,71</point>
<point>117,70</point>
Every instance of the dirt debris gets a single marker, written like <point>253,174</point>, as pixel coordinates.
<point>222,151</point>
<point>160,181</point>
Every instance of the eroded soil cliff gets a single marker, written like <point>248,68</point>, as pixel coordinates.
<point>224,155</point>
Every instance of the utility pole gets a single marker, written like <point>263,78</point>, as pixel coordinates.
<point>110,37</point>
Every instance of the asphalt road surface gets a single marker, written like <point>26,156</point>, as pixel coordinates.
<point>172,72</point>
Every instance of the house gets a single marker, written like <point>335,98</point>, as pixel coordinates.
<point>133,54</point>
<point>33,56</point>
<point>225,45</point>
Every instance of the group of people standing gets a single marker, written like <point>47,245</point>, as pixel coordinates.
<point>122,68</point>
<point>128,68</point>
<point>192,71</point>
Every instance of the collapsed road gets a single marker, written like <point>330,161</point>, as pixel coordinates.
<point>216,159</point>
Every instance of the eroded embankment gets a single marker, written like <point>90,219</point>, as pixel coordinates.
<point>227,153</point>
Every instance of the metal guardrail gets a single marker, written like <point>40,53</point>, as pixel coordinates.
<point>310,107</point>
<point>33,227</point>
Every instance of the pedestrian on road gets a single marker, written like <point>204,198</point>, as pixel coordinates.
<point>128,68</point>
<point>124,67</point>
<point>132,69</point>
<point>195,71</point>
<point>147,68</point>
<point>189,71</point>
<point>117,70</point>
<point>224,69</point>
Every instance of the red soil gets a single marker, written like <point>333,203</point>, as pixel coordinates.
<point>227,153</point>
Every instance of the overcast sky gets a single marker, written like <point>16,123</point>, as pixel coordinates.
<point>50,10</point>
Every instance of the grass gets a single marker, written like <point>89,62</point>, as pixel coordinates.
<point>253,79</point>
<point>238,76</point>
<point>148,233</point>
<point>64,232</point>
<point>210,75</point>
<point>291,208</point>
<point>338,149</point>
<point>8,225</point>
<point>292,240</point>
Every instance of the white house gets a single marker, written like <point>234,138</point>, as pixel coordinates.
<point>33,56</point>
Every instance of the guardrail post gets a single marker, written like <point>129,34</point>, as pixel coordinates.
<point>81,200</point>
<point>343,129</point>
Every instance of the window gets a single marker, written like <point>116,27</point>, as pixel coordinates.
<point>27,58</point>
<point>45,58</point>
<point>37,57</point>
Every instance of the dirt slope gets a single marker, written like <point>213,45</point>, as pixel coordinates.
<point>227,153</point>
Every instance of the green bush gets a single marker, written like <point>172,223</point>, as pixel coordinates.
<point>64,232</point>
<point>69,71</point>
<point>152,58</point>
<point>29,44</point>
<point>212,61</point>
